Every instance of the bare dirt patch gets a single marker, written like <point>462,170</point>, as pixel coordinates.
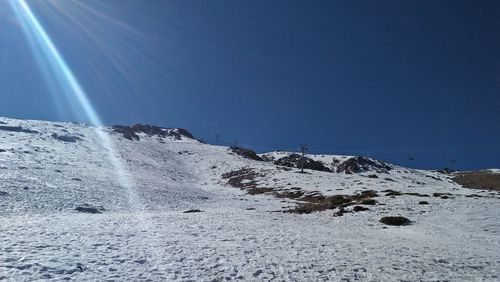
<point>308,201</point>
<point>483,180</point>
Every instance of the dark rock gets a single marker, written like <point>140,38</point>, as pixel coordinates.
<point>416,194</point>
<point>258,190</point>
<point>473,195</point>
<point>192,211</point>
<point>76,179</point>
<point>2,193</point>
<point>16,129</point>
<point>296,160</point>
<point>308,208</point>
<point>370,202</point>
<point>2,150</point>
<point>372,176</point>
<point>246,153</point>
<point>423,203</point>
<point>369,193</point>
<point>80,267</point>
<point>441,195</point>
<point>337,200</point>
<point>392,192</point>
<point>359,208</point>
<point>85,208</point>
<point>395,220</point>
<point>340,212</point>
<point>362,164</point>
<point>66,138</point>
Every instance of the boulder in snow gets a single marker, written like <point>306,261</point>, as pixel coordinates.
<point>395,220</point>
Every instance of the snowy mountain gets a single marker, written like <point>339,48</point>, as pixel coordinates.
<point>149,203</point>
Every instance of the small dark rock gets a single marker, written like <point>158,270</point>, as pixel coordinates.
<point>372,176</point>
<point>441,195</point>
<point>392,193</point>
<point>368,202</point>
<point>76,179</point>
<point>423,203</point>
<point>359,208</point>
<point>192,211</point>
<point>416,194</point>
<point>369,193</point>
<point>337,200</point>
<point>85,208</point>
<point>2,193</point>
<point>395,220</point>
<point>66,138</point>
<point>16,129</point>
<point>340,212</point>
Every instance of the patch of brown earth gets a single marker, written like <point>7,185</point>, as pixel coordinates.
<point>246,179</point>
<point>484,180</point>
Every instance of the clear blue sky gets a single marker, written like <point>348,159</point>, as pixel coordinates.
<point>377,78</point>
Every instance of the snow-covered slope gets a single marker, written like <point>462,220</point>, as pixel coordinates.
<point>249,227</point>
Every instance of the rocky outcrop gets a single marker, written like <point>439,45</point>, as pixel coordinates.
<point>362,164</point>
<point>296,160</point>
<point>446,170</point>
<point>246,153</point>
<point>131,132</point>
<point>17,129</point>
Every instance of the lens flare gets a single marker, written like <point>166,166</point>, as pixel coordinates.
<point>47,54</point>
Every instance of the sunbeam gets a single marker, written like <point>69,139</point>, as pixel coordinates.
<point>46,53</point>
<point>114,49</point>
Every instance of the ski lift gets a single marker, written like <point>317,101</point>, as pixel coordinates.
<point>409,156</point>
<point>452,157</point>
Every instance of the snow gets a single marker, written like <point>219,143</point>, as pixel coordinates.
<point>143,233</point>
